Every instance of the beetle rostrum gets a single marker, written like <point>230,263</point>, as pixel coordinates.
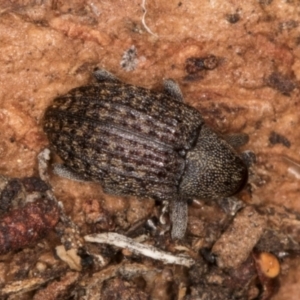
<point>135,141</point>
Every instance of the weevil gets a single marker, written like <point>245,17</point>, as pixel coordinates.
<point>145,143</point>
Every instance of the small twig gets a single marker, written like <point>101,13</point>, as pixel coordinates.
<point>30,284</point>
<point>143,18</point>
<point>294,168</point>
<point>43,159</point>
<point>121,241</point>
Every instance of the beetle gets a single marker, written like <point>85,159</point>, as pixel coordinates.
<point>144,143</point>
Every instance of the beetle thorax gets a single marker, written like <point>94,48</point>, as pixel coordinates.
<point>213,168</point>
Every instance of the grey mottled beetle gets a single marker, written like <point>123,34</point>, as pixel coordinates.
<point>139,142</point>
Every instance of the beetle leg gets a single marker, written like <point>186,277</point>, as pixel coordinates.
<point>248,157</point>
<point>231,205</point>
<point>63,171</point>
<point>172,89</point>
<point>103,75</point>
<point>236,140</point>
<point>179,216</point>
